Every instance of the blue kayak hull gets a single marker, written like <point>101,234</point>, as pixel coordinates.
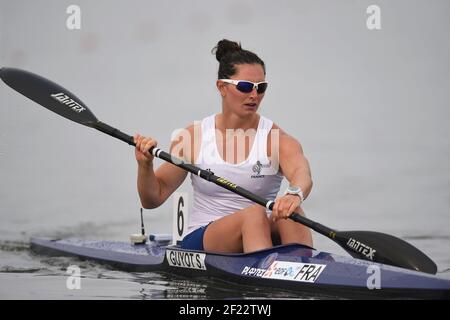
<point>290,267</point>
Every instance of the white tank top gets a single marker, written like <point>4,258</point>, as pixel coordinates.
<point>255,174</point>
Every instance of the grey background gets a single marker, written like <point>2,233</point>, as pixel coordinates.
<point>369,107</point>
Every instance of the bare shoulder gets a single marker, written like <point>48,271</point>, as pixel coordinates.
<point>287,143</point>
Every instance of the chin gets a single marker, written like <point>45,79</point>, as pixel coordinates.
<point>247,109</point>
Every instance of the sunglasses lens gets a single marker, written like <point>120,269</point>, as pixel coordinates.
<point>247,87</point>
<point>244,86</point>
<point>262,88</point>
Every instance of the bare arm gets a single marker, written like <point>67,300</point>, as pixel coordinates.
<point>294,165</point>
<point>155,187</point>
<point>295,168</point>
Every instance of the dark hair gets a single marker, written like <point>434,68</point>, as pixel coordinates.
<point>229,54</point>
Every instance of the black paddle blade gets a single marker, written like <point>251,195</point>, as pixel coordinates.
<point>384,248</point>
<point>49,95</point>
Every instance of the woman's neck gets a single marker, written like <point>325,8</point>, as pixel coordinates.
<point>227,120</point>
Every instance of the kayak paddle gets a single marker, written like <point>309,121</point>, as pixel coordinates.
<point>367,245</point>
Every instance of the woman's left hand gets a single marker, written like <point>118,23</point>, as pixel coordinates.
<point>285,206</point>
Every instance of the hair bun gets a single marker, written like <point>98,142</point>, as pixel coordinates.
<point>225,47</point>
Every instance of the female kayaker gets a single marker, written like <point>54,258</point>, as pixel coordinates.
<point>243,147</point>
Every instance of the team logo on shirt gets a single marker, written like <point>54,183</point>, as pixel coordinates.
<point>257,169</point>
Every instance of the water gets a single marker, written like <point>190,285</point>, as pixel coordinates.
<point>49,282</point>
<point>370,109</point>
<point>25,275</point>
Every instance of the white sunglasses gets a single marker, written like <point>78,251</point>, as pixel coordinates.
<point>247,86</point>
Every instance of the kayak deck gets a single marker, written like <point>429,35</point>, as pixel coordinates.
<point>291,267</point>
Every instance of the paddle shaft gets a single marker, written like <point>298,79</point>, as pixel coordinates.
<point>211,177</point>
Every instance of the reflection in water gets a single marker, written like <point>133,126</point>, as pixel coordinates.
<point>14,246</point>
<point>168,286</point>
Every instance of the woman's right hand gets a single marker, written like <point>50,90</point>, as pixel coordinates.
<point>143,145</point>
